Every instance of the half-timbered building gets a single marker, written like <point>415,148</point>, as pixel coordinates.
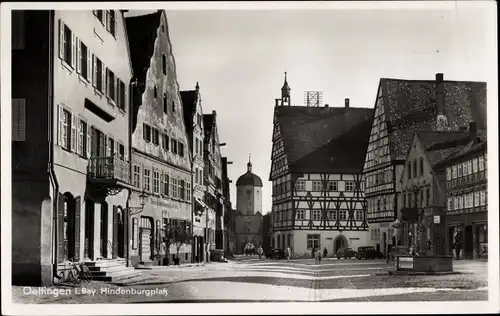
<point>316,173</point>
<point>401,107</point>
<point>161,154</point>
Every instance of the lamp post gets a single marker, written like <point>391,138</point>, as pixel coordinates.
<point>134,210</point>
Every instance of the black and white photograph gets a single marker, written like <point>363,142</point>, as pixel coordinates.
<point>298,157</point>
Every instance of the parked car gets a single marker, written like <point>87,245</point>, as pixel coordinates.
<point>368,252</point>
<point>346,253</point>
<point>276,254</point>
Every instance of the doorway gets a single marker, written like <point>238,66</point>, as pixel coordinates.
<point>104,230</point>
<point>89,229</point>
<point>339,242</point>
<point>121,233</point>
<point>469,245</point>
<point>69,238</point>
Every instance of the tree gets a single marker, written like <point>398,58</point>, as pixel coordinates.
<point>178,234</point>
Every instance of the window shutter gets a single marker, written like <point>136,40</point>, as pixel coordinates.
<point>126,153</point>
<point>89,141</point>
<point>73,50</point>
<point>115,231</point>
<point>79,56</point>
<point>78,204</point>
<point>78,144</point>
<point>117,84</point>
<point>125,102</point>
<point>94,72</point>
<point>104,77</point>
<point>18,119</point>
<point>73,132</point>
<point>60,228</point>
<point>61,125</point>
<point>61,39</point>
<point>89,66</point>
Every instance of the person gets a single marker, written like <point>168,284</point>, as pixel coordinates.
<point>317,257</point>
<point>260,251</point>
<point>288,253</point>
<point>325,253</point>
<point>313,254</point>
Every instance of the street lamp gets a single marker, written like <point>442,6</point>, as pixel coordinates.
<point>138,209</point>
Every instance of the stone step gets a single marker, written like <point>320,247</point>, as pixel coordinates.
<point>106,263</point>
<point>118,275</point>
<point>106,268</point>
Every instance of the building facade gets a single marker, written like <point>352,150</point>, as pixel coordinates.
<point>229,222</point>
<point>193,119</point>
<point>467,202</point>
<point>161,156</point>
<point>70,86</point>
<point>248,221</point>
<point>423,193</point>
<point>316,172</point>
<point>212,175</point>
<point>401,107</point>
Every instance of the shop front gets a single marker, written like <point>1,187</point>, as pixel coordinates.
<point>468,236</point>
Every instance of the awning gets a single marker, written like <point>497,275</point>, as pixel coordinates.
<point>200,202</point>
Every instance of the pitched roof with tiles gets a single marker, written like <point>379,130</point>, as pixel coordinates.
<point>441,145</point>
<point>476,146</point>
<point>142,32</point>
<point>324,139</point>
<point>410,105</point>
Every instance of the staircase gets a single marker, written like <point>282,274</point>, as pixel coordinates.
<point>111,270</point>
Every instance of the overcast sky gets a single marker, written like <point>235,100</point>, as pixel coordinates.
<point>239,58</point>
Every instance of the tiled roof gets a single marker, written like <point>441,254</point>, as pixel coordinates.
<point>441,145</point>
<point>474,146</point>
<point>410,105</point>
<point>142,33</point>
<point>320,139</point>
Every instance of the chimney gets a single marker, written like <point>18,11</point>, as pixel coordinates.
<point>441,120</point>
<point>346,102</point>
<point>472,131</point>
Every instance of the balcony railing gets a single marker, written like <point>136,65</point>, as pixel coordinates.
<point>109,168</point>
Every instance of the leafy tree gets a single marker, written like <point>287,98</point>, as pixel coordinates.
<point>176,233</point>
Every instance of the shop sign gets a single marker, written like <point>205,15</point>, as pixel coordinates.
<point>437,219</point>
<point>405,263</point>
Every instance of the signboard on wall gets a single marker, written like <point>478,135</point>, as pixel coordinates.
<point>405,264</point>
<point>437,219</point>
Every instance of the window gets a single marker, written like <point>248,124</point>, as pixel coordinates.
<point>182,189</point>
<point>421,166</point>
<point>156,181</point>
<point>155,136</point>
<point>137,176</point>
<point>98,74</point>
<point>481,163</point>
<point>414,168</point>
<point>146,132</point>
<point>100,15</point>
<point>474,164</point>
<point>122,95</point>
<point>332,215</point>
<point>300,185</point>
<point>18,120</point>
<point>174,146</point>
<point>175,189</point>
<point>65,128</point>
<point>404,200</point>
<point>469,166</point>
<point>181,149</point>
<point>68,48</point>
<point>121,152</point>
<point>165,184</point>
<point>408,169</point>
<point>173,106</point>
<point>147,180</point>
<point>111,80</point>
<point>349,186</point>
<point>460,201</point>
<point>82,138</point>
<point>300,214</point>
<point>343,215</point>
<point>110,147</point>
<point>18,33</point>
<point>313,241</point>
<point>164,63</point>
<point>459,170</point>
<point>450,204</point>
<point>378,205</point>
<point>111,22</point>
<point>165,103</point>
<point>316,186</point>
<point>333,186</point>
<point>359,215</point>
<point>84,61</point>
<point>188,191</point>
<point>384,205</point>
<point>316,215</point>
<point>448,173</point>
<point>465,168</point>
<point>483,198</point>
<point>164,142</point>
<point>454,172</point>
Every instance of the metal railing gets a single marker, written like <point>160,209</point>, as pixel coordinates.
<point>109,168</point>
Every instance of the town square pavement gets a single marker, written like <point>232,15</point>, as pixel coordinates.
<point>248,279</point>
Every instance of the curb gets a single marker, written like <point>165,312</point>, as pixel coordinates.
<point>417,273</point>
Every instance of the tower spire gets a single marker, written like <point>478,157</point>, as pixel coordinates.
<point>285,92</point>
<point>249,164</point>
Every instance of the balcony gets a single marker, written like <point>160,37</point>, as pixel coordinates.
<point>108,175</point>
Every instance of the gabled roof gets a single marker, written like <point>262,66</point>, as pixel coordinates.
<point>142,32</point>
<point>188,99</point>
<point>319,139</point>
<point>208,121</point>
<point>477,145</point>
<point>410,105</point>
<point>441,145</point>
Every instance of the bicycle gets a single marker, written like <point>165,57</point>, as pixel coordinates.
<point>79,273</point>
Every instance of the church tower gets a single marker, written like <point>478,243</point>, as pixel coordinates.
<point>248,223</point>
<point>285,95</point>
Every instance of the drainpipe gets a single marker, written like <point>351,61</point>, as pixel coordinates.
<point>131,86</point>
<point>52,174</point>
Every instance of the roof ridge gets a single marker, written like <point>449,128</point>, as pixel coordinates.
<point>432,81</point>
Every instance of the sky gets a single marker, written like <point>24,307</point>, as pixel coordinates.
<point>239,58</point>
